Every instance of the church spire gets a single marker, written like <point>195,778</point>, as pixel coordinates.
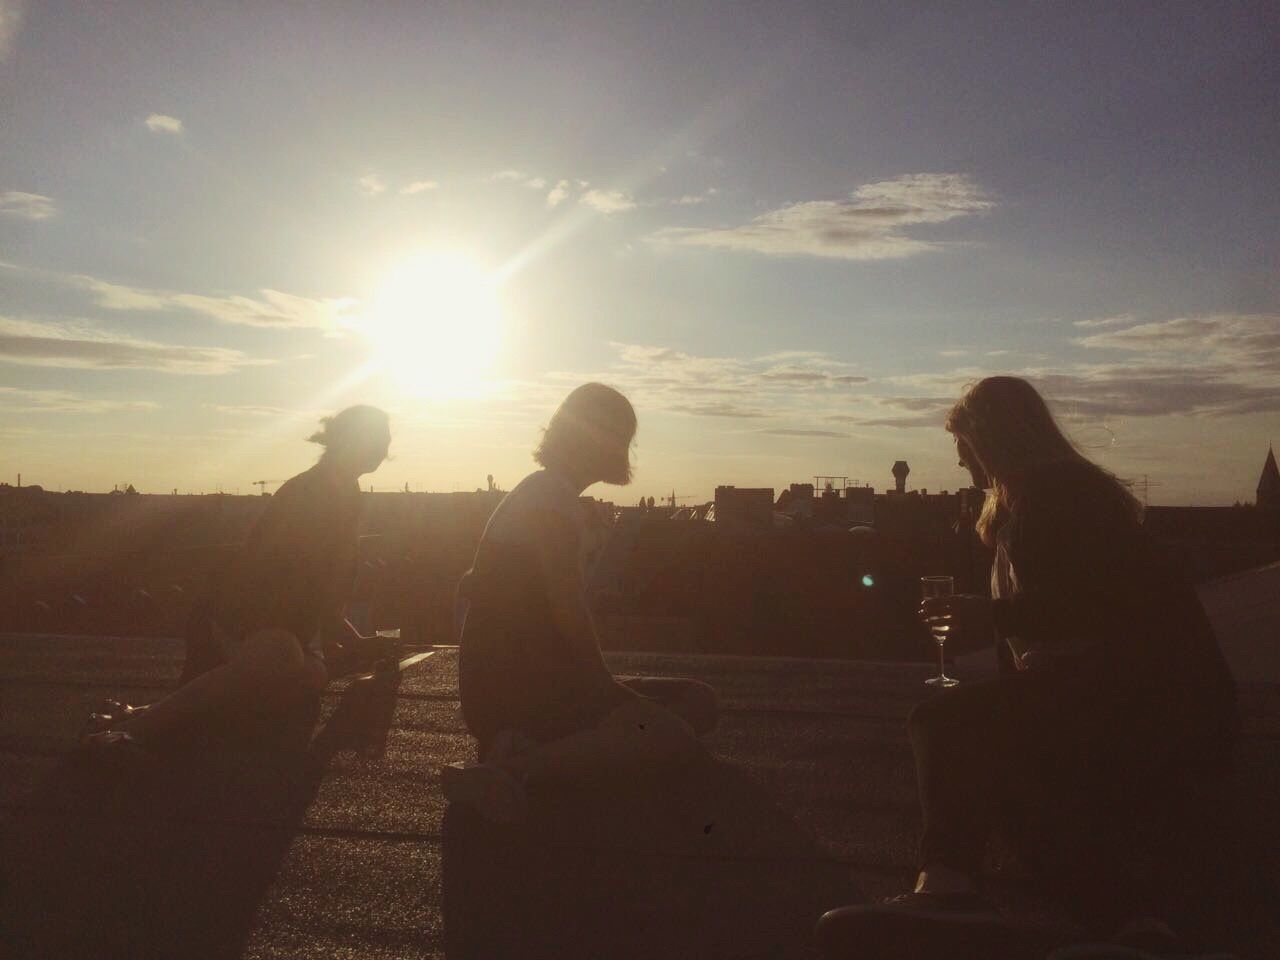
<point>1269,482</point>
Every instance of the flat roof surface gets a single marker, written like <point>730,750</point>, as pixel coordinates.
<point>1245,610</point>
<point>347,849</point>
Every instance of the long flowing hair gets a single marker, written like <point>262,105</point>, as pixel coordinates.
<point>591,431</point>
<point>1012,433</point>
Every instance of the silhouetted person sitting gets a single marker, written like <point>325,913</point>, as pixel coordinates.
<point>535,691</point>
<point>262,628</point>
<point>1110,722</point>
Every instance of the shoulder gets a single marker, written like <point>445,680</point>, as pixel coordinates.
<point>313,493</point>
<point>542,491</point>
<point>300,486</point>
<point>290,496</point>
<point>538,504</point>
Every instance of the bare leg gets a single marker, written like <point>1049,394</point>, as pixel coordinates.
<point>269,663</point>
<point>692,701</point>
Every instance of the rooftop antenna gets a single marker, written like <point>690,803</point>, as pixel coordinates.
<point>835,484</point>
<point>1146,485</point>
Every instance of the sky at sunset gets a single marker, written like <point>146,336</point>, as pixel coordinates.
<point>790,232</point>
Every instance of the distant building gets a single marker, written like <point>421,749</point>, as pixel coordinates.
<point>1269,483</point>
<point>746,507</point>
<point>1216,541</point>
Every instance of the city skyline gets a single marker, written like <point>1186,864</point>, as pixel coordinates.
<point>792,238</point>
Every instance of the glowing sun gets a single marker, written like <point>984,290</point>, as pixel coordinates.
<point>435,325</point>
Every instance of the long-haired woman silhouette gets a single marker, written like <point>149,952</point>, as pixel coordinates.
<point>1113,710</point>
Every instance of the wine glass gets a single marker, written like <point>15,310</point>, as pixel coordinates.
<point>939,587</point>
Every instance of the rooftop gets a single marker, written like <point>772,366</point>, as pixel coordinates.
<point>347,850</point>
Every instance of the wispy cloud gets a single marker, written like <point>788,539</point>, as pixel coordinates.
<point>1211,365</point>
<point>1151,391</point>
<point>903,412</point>
<point>608,201</point>
<point>17,400</point>
<point>255,410</point>
<point>693,199</point>
<point>531,181</point>
<point>274,309</point>
<point>1250,341</point>
<point>867,226</point>
<point>600,200</point>
<point>1205,366</point>
<point>26,206</point>
<point>719,409</point>
<point>797,374</point>
<point>792,385</point>
<point>558,194</point>
<point>83,346</point>
<point>419,186</point>
<point>1214,365</point>
<point>788,432</point>
<point>1105,321</point>
<point>371,185</point>
<point>163,123</point>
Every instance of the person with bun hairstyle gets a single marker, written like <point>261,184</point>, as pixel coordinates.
<point>535,691</point>
<point>1098,749</point>
<point>256,642</point>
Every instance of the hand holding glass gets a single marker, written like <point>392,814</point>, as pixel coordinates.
<point>933,587</point>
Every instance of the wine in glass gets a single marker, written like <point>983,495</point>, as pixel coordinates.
<point>933,587</point>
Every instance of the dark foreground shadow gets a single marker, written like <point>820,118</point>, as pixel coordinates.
<point>709,867</point>
<point>168,856</point>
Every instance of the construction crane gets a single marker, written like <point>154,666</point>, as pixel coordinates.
<point>262,486</point>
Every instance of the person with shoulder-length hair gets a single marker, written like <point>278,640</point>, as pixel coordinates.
<point>1095,750</point>
<point>535,691</point>
<point>256,643</point>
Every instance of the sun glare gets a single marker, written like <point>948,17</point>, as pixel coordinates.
<point>435,325</point>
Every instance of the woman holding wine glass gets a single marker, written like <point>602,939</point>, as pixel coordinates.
<point>1112,711</point>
